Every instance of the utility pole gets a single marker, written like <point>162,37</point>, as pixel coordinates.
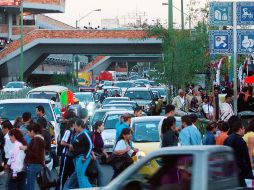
<point>182,15</point>
<point>21,66</point>
<point>235,54</point>
<point>170,15</point>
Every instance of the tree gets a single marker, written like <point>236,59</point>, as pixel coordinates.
<point>185,53</point>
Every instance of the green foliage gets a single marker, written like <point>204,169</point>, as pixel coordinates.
<point>185,54</point>
<point>62,79</point>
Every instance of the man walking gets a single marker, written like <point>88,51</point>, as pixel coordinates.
<point>189,135</point>
<point>226,108</point>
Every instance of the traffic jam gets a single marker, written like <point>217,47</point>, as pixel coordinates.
<point>132,127</point>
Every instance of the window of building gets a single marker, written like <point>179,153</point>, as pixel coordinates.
<point>3,18</point>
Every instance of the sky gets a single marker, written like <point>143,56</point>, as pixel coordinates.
<point>117,8</point>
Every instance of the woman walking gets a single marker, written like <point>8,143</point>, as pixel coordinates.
<point>123,152</point>
<point>35,154</point>
<point>168,132</point>
<point>17,179</point>
<point>99,150</point>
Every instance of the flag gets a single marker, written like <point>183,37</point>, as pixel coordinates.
<point>66,98</point>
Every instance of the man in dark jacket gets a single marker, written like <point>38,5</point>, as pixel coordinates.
<point>240,148</point>
<point>104,95</point>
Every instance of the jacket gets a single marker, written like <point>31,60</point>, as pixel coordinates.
<point>82,144</point>
<point>169,139</point>
<point>17,157</point>
<point>35,152</point>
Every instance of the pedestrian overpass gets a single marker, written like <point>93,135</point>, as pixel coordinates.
<point>38,44</point>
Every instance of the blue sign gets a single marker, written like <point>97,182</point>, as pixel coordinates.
<point>221,14</point>
<point>221,41</point>
<point>245,13</point>
<point>245,41</point>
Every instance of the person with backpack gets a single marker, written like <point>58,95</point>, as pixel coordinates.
<point>98,150</point>
<point>66,166</point>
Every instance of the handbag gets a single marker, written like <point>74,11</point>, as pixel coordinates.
<point>119,162</point>
<point>47,178</point>
<point>92,171</point>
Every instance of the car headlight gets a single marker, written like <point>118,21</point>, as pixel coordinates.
<point>147,107</point>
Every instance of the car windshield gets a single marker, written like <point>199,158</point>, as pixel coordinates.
<point>124,84</point>
<point>143,81</point>
<point>146,131</point>
<point>11,111</point>
<point>112,106</point>
<point>143,95</point>
<point>98,116</point>
<point>43,95</point>
<point>111,121</point>
<point>84,97</point>
<point>14,85</point>
<point>162,91</point>
<point>107,100</point>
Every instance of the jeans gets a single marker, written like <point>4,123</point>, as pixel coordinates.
<point>32,171</point>
<point>80,169</point>
<point>19,183</point>
<point>100,181</point>
<point>72,182</point>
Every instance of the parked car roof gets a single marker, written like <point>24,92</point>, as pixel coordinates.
<point>50,88</point>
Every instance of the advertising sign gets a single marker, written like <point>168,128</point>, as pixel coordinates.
<point>10,2</point>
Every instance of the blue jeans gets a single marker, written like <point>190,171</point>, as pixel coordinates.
<point>80,169</point>
<point>100,181</point>
<point>72,182</point>
<point>31,174</point>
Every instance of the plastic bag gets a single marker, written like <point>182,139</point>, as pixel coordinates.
<point>47,178</point>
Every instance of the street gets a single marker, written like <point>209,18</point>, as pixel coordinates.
<point>106,179</point>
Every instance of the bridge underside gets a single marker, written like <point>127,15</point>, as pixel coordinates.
<point>38,51</point>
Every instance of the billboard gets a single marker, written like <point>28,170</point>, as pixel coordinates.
<point>10,2</point>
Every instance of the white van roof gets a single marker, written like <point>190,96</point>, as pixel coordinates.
<point>49,88</point>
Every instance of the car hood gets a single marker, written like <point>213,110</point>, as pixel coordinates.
<point>142,102</point>
<point>146,147</point>
<point>109,134</point>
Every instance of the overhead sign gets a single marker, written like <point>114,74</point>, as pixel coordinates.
<point>245,41</point>
<point>245,13</point>
<point>221,14</point>
<point>10,2</point>
<point>221,42</point>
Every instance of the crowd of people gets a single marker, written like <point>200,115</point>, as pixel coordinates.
<point>229,133</point>
<point>210,105</point>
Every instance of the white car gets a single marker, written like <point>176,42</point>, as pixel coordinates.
<point>14,86</point>
<point>86,100</point>
<point>110,120</point>
<point>12,108</point>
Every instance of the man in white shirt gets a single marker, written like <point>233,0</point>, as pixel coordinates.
<point>208,108</point>
<point>226,108</point>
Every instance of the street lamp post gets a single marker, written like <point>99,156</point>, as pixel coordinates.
<point>21,69</point>
<point>182,15</point>
<point>170,15</point>
<point>77,21</point>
